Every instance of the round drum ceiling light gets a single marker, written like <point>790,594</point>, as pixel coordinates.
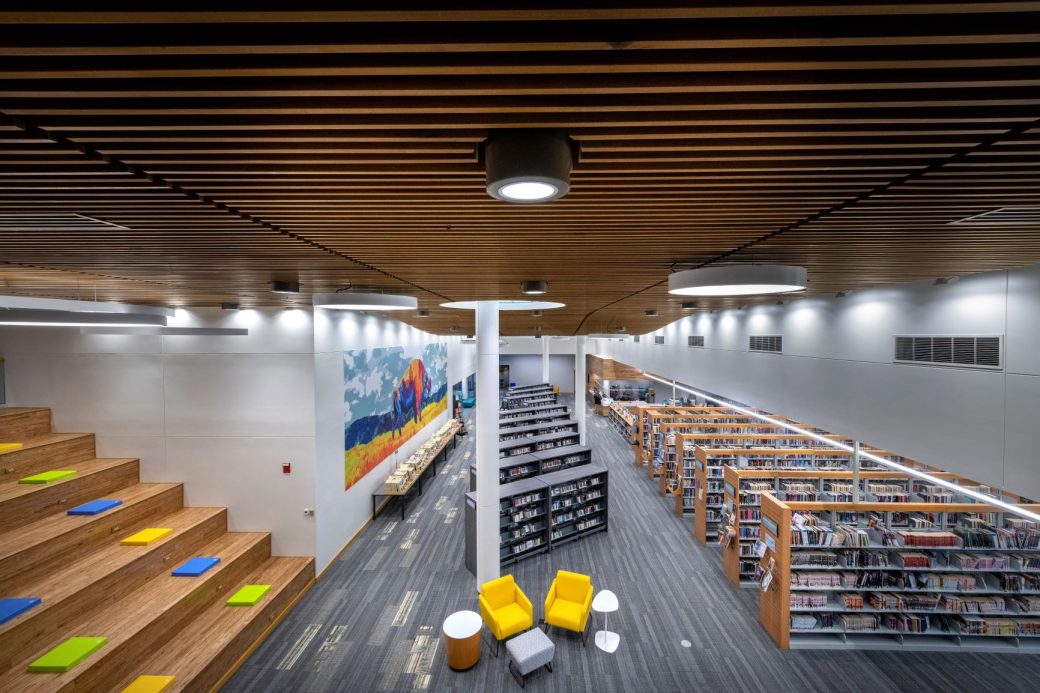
<point>506,305</point>
<point>528,166</point>
<point>738,280</point>
<point>357,300</point>
<point>534,287</point>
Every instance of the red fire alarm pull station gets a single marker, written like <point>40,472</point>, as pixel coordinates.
<point>286,467</point>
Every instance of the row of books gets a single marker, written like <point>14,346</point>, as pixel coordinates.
<point>917,623</point>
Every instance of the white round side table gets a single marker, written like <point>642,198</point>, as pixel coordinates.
<point>605,602</point>
<point>462,639</point>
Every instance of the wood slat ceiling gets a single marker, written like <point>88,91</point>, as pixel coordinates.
<point>341,148</point>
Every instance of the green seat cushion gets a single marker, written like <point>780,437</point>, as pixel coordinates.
<point>248,595</point>
<point>47,477</point>
<point>67,655</point>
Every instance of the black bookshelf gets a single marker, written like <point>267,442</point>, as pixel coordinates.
<point>521,446</point>
<point>510,414</point>
<point>537,463</point>
<point>543,512</point>
<point>536,429</point>
<point>552,413</point>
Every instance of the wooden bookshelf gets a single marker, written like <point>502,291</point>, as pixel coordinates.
<point>867,593</point>
<point>623,421</point>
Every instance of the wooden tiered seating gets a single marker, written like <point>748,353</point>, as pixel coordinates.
<point>91,585</point>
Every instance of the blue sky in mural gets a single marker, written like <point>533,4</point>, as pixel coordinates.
<point>369,375</point>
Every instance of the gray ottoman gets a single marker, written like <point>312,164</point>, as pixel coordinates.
<point>527,652</point>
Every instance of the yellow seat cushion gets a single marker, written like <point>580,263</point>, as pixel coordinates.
<point>512,619</point>
<point>565,614</point>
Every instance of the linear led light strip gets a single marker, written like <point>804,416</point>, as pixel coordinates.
<point>982,497</point>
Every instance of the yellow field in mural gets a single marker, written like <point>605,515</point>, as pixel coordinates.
<point>361,459</point>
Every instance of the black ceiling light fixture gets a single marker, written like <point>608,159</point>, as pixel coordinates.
<point>650,313</point>
<point>534,287</point>
<point>285,287</point>
<point>528,166</point>
<point>689,305</point>
<point>423,314</point>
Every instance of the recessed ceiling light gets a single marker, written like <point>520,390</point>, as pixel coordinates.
<point>536,313</point>
<point>285,287</point>
<point>688,305</point>
<point>528,166</point>
<point>229,306</point>
<point>621,328</point>
<point>737,280</point>
<point>534,287</point>
<point>650,313</point>
<point>357,300</point>
<point>506,305</point>
<point>423,314</point>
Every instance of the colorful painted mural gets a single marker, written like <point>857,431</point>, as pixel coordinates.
<point>389,394</point>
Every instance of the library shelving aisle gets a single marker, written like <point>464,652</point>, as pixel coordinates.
<point>960,576</point>
<point>373,621</point>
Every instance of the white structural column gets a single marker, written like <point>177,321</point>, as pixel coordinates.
<point>579,387</point>
<point>487,442</point>
<point>545,359</point>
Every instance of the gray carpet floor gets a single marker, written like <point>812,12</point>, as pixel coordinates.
<point>373,622</point>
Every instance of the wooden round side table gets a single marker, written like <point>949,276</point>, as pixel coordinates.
<point>462,639</point>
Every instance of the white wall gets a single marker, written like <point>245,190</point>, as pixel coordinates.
<point>836,371</point>
<point>341,514</point>
<point>526,369</point>
<point>220,414</point>
<point>533,345</point>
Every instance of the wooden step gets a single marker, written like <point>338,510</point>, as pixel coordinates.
<point>144,620</point>
<point>17,423</point>
<point>30,552</point>
<point>46,452</point>
<point>22,504</point>
<point>206,653</point>
<point>101,578</point>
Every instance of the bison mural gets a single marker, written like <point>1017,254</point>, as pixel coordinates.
<point>389,395</point>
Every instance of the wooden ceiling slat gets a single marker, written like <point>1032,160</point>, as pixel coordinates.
<point>844,137</point>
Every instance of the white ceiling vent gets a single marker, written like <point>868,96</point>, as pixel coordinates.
<point>54,222</point>
<point>1005,216</point>
<point>963,351</point>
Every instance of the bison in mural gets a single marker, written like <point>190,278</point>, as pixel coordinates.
<point>408,397</point>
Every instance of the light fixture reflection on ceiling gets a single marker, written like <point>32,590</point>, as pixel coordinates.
<point>528,166</point>
<point>737,280</point>
<point>504,305</point>
<point>358,300</point>
<point>63,318</point>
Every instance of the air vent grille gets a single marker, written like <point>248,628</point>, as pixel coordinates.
<point>1005,216</point>
<point>949,350</point>
<point>54,222</point>
<point>658,339</point>
<point>695,340</point>
<point>770,343</point>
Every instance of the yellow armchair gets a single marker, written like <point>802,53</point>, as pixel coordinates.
<point>505,609</point>
<point>569,602</point>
